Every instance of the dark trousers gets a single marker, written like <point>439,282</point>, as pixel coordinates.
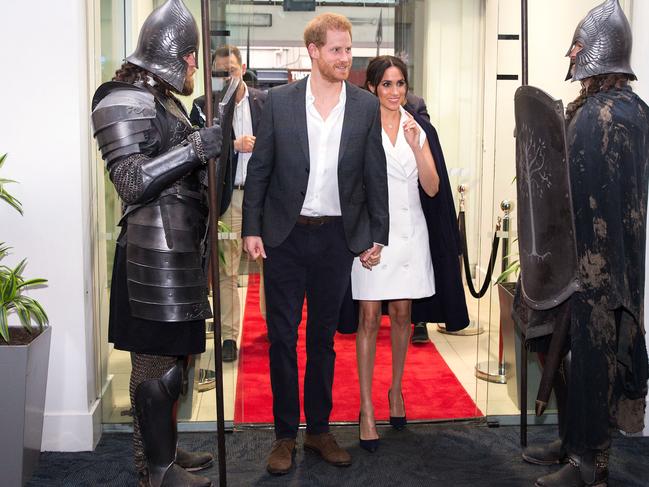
<point>313,260</point>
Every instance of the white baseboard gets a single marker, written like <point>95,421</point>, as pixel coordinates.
<point>72,431</point>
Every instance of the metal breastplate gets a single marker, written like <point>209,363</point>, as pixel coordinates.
<point>165,246</point>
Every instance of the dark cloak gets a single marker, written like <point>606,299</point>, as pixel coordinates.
<point>608,141</point>
<point>448,304</point>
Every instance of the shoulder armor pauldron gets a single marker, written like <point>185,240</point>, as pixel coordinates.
<point>121,116</point>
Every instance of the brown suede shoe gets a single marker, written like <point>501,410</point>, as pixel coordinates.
<point>280,459</point>
<point>325,444</point>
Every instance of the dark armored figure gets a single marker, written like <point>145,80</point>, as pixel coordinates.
<point>158,302</point>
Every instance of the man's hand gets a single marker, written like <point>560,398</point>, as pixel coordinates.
<point>245,143</point>
<point>254,247</point>
<point>371,257</point>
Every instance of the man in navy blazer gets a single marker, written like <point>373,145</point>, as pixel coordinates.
<point>316,196</point>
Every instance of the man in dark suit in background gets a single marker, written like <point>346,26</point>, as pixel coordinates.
<point>316,196</point>
<point>247,112</point>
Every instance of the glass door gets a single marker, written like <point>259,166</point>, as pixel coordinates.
<point>443,44</point>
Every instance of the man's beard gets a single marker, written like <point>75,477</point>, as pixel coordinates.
<point>188,87</point>
<point>329,72</point>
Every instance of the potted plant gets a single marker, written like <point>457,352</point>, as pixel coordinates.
<point>24,358</point>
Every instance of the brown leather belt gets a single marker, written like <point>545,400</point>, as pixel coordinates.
<point>314,220</point>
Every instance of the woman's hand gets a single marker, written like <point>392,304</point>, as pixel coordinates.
<point>411,132</point>
<point>371,256</point>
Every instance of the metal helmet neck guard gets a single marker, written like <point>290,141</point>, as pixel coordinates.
<point>168,34</point>
<point>605,35</point>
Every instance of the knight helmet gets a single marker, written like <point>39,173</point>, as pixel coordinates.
<point>605,35</point>
<point>168,34</point>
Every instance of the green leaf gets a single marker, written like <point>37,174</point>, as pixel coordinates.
<point>4,325</point>
<point>37,311</point>
<point>513,268</point>
<point>23,315</point>
<point>32,282</point>
<point>4,194</point>
<point>19,269</point>
<point>11,200</point>
<point>12,282</point>
<point>12,288</point>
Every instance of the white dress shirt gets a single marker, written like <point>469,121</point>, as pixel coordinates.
<point>242,125</point>
<point>322,196</point>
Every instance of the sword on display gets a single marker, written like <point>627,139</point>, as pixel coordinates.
<point>214,203</point>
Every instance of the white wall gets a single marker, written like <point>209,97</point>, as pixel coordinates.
<point>44,128</point>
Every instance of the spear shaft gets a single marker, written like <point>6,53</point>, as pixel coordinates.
<point>214,202</point>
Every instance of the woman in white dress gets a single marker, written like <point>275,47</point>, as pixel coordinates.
<point>404,269</point>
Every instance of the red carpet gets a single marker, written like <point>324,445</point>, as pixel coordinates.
<point>430,389</point>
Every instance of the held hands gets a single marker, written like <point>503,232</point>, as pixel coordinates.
<point>254,247</point>
<point>245,143</point>
<point>371,257</point>
<point>411,132</point>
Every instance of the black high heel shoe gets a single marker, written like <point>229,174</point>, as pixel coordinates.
<point>369,445</point>
<point>398,422</point>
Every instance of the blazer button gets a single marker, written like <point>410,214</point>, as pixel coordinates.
<point>306,169</point>
<point>302,193</point>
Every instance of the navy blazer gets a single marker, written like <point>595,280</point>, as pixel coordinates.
<point>278,172</point>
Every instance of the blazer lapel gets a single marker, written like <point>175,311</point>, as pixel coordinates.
<point>350,108</point>
<point>299,116</point>
<point>254,110</point>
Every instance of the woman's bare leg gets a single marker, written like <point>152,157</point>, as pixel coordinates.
<point>400,338</point>
<point>369,321</point>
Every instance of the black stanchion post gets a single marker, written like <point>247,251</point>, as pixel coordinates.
<point>489,371</point>
<point>474,328</point>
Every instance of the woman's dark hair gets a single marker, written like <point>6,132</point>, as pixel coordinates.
<point>601,82</point>
<point>379,65</point>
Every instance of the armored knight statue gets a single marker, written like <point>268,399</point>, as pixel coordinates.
<point>158,301</point>
<point>589,324</point>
